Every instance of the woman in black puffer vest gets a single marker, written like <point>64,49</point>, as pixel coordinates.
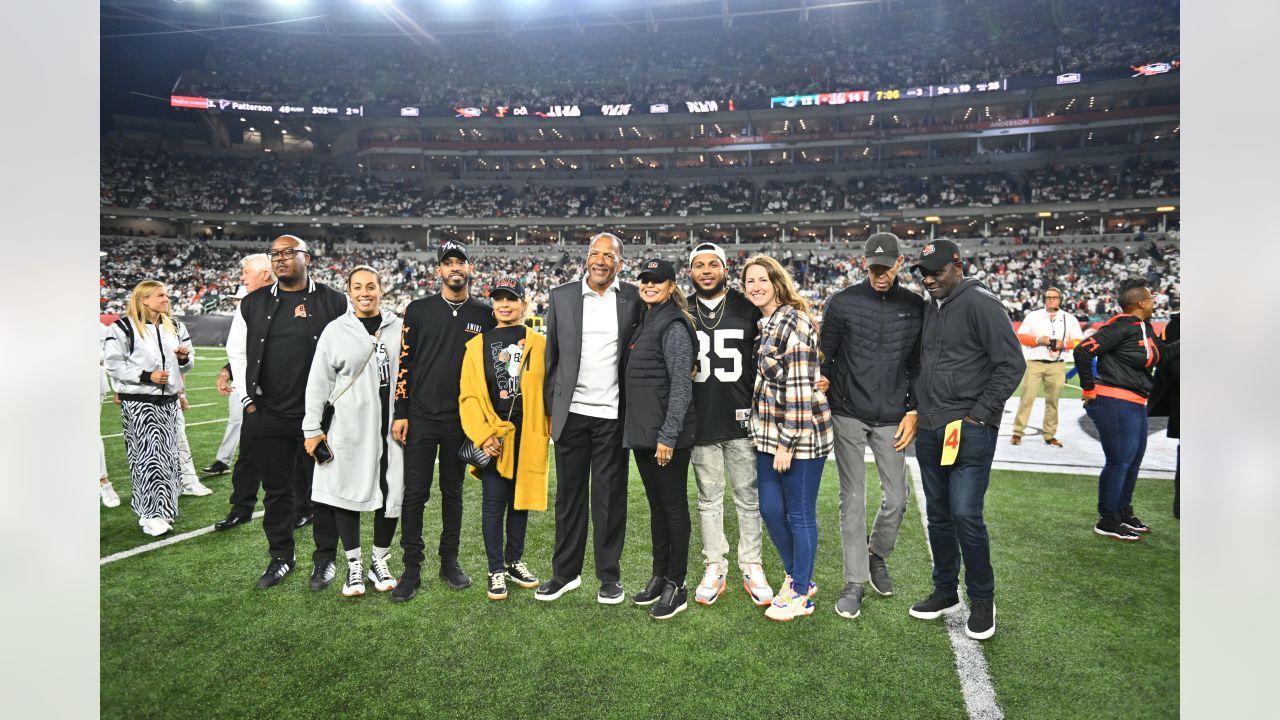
<point>658,427</point>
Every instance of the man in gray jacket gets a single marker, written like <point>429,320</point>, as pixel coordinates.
<point>970,365</point>
<point>871,353</point>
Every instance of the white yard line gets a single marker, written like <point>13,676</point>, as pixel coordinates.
<point>971,664</point>
<point>161,543</point>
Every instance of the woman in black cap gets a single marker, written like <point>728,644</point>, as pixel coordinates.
<point>658,427</point>
<point>502,411</point>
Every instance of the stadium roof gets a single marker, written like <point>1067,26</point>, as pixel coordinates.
<point>456,17</point>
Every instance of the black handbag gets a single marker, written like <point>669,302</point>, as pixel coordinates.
<point>471,454</point>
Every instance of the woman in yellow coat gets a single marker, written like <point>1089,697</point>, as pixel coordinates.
<point>503,413</point>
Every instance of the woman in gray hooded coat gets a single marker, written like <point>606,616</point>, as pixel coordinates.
<point>356,361</point>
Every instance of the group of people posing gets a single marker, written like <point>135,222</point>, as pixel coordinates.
<point>353,411</point>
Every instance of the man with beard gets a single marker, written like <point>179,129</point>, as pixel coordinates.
<point>436,331</point>
<point>871,352</point>
<point>726,324</point>
<point>970,364</point>
<point>270,352</point>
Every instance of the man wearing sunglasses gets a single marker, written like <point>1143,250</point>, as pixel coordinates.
<point>272,350</point>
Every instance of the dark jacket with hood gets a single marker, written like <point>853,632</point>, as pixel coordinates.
<point>970,359</point>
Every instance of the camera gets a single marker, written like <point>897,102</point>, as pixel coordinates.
<point>1055,344</point>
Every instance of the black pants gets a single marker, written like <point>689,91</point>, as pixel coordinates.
<point>333,523</point>
<point>245,481</point>
<point>427,438</point>
<point>667,487</point>
<point>273,445</point>
<point>498,508</point>
<point>591,447</point>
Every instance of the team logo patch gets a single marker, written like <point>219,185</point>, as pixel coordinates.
<point>927,250</point>
<point>300,311</point>
<point>652,265</point>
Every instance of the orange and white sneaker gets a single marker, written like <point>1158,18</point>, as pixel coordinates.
<point>757,585</point>
<point>789,605</point>
<point>711,587</point>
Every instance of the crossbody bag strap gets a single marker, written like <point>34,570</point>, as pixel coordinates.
<point>374,348</point>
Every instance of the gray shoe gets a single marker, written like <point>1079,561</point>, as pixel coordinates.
<point>849,604</point>
<point>880,575</point>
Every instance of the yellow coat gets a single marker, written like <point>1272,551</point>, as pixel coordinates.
<point>480,421</point>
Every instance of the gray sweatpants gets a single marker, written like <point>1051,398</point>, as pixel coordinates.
<point>710,464</point>
<point>852,437</point>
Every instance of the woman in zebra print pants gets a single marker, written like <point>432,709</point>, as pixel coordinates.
<point>147,355</point>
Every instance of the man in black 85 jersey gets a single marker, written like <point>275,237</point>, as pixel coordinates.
<point>726,325</point>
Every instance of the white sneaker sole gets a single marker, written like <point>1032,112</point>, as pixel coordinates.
<point>986,633</point>
<point>844,614</point>
<point>381,586</point>
<point>698,597</point>
<point>573,584</point>
<point>353,592</point>
<point>611,600</point>
<point>679,609</point>
<point>1116,536</point>
<point>922,615</point>
<point>758,600</point>
<point>873,585</point>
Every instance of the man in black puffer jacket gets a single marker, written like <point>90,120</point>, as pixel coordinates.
<point>871,354</point>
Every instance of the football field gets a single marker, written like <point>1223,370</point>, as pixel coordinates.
<point>1086,626</point>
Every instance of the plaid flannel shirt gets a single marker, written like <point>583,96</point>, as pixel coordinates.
<point>788,411</point>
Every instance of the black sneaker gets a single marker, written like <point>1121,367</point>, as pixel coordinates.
<point>231,520</point>
<point>982,619</point>
<point>1131,521</point>
<point>217,468</point>
<point>555,587</point>
<point>1110,526</point>
<point>497,585</point>
<point>935,605</point>
<point>651,592</point>
<point>407,587</point>
<point>880,581</point>
<point>276,572</point>
<point>520,575</point>
<point>323,575</point>
<point>452,573</point>
<point>672,602</point>
<point>611,593</point>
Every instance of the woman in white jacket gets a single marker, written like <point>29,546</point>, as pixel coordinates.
<point>356,359</point>
<point>147,355</point>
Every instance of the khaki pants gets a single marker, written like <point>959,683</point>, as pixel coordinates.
<point>1053,375</point>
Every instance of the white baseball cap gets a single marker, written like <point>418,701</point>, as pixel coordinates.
<point>708,247</point>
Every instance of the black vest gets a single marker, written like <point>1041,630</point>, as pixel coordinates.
<point>646,382</point>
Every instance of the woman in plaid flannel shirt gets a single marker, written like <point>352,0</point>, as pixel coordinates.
<point>790,427</point>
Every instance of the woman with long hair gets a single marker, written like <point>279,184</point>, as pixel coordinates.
<point>146,356</point>
<point>356,357</point>
<point>791,428</point>
<point>659,428</point>
<point>501,405</point>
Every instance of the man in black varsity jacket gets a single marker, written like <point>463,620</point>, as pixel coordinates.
<point>871,353</point>
<point>270,355</point>
<point>436,331</point>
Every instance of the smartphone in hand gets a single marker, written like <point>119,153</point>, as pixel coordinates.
<point>323,453</point>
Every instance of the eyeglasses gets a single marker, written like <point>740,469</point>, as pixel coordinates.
<point>286,254</point>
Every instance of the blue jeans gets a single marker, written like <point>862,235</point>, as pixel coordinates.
<point>954,496</point>
<point>1122,428</point>
<point>498,499</point>
<point>789,507</point>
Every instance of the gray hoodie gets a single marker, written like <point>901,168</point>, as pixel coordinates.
<point>970,359</point>
<point>350,481</point>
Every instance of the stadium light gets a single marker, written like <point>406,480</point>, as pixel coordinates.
<point>933,219</point>
<point>1166,209</point>
<point>1044,213</point>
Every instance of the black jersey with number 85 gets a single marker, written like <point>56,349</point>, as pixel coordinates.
<point>725,365</point>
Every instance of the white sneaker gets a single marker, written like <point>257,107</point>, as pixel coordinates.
<point>381,575</point>
<point>711,586</point>
<point>154,526</point>
<point>788,606</point>
<point>197,488</point>
<point>354,587</point>
<point>757,585</point>
<point>109,496</point>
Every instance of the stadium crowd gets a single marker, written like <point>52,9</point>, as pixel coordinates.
<point>161,180</point>
<point>917,44</point>
<point>203,279</point>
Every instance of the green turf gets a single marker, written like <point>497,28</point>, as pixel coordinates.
<point>1085,624</point>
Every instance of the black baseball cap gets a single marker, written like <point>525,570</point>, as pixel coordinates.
<point>882,249</point>
<point>936,255</point>
<point>508,286</point>
<point>657,270</point>
<point>451,247</point>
